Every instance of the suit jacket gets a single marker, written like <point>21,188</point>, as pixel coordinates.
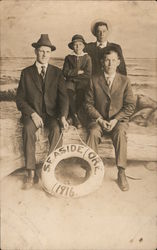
<point>72,65</point>
<point>96,54</point>
<point>30,97</point>
<point>118,102</point>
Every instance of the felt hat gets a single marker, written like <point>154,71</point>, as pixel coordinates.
<point>76,38</point>
<point>44,41</point>
<point>101,22</point>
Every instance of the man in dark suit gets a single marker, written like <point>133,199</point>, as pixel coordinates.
<point>100,29</point>
<point>42,100</point>
<point>109,103</point>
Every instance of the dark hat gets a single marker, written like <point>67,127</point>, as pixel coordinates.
<point>77,38</point>
<point>112,47</point>
<point>98,22</point>
<point>44,41</point>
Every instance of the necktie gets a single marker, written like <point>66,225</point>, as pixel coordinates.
<point>109,82</point>
<point>43,72</point>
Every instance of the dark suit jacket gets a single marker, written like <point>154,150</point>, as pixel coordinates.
<point>96,54</point>
<point>29,97</point>
<point>72,65</point>
<point>118,102</point>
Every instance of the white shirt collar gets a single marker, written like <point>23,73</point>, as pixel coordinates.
<point>101,45</point>
<point>82,54</point>
<point>39,65</point>
<point>111,77</point>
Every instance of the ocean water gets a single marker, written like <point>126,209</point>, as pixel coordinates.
<point>142,73</point>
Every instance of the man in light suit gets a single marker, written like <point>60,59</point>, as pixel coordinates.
<point>109,103</point>
<point>43,101</point>
<point>100,29</point>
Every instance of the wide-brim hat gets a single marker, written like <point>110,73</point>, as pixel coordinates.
<point>44,41</point>
<point>102,22</point>
<point>76,38</point>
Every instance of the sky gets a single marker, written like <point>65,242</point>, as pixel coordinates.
<point>133,25</point>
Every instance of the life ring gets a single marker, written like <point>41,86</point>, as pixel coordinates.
<point>55,187</point>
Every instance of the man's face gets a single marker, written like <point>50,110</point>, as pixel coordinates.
<point>111,62</point>
<point>78,47</point>
<point>102,33</point>
<point>43,54</point>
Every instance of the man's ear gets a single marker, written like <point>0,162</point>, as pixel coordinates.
<point>35,51</point>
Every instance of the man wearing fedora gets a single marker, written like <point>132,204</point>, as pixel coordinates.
<point>100,29</point>
<point>109,102</point>
<point>43,101</point>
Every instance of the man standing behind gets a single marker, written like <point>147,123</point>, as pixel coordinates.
<point>42,100</point>
<point>100,29</point>
<point>109,103</point>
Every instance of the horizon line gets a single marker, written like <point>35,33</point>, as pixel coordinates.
<point>59,57</point>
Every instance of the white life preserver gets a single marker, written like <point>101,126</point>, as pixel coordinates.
<point>55,187</point>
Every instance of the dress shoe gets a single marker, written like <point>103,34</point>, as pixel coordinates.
<point>29,180</point>
<point>122,180</point>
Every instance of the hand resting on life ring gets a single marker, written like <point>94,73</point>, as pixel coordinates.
<point>54,187</point>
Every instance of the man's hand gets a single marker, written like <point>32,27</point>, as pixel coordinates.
<point>37,120</point>
<point>104,124</point>
<point>64,123</point>
<point>80,72</point>
<point>113,124</point>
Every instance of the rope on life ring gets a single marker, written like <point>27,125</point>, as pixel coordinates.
<point>54,187</point>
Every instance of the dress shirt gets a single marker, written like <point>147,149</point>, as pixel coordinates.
<point>101,45</point>
<point>39,66</point>
<point>109,78</point>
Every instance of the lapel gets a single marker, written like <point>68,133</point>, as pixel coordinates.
<point>108,43</point>
<point>97,50</point>
<point>48,76</point>
<point>73,60</point>
<point>102,82</point>
<point>94,50</point>
<point>116,84</point>
<point>36,77</point>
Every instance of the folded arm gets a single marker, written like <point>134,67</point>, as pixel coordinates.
<point>67,70</point>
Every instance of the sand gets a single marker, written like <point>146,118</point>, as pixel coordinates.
<point>106,219</point>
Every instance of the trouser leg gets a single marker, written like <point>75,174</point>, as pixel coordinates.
<point>119,139</point>
<point>54,134</point>
<point>72,102</point>
<point>94,136</point>
<point>29,139</point>
<point>79,99</point>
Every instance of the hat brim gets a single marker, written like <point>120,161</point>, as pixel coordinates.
<point>36,45</point>
<point>70,45</point>
<point>105,22</point>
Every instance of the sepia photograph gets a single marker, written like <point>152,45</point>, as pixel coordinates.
<point>78,125</point>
